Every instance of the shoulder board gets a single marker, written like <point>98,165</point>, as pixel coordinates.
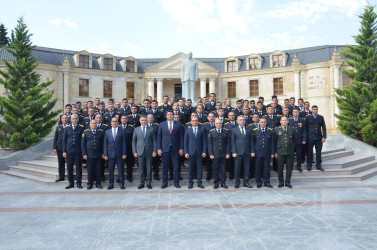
<point>226,123</point>
<point>100,129</point>
<point>255,128</point>
<point>212,129</point>
<point>80,125</point>
<point>129,115</point>
<point>269,129</point>
<point>68,125</point>
<point>200,123</point>
<point>157,123</point>
<point>225,129</point>
<point>138,114</point>
<point>290,118</point>
<point>309,115</point>
<point>265,116</point>
<point>279,115</point>
<point>81,116</point>
<point>130,125</point>
<point>86,117</point>
<point>86,130</point>
<point>205,123</point>
<point>142,108</point>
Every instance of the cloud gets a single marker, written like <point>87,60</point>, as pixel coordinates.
<point>313,10</point>
<point>132,47</point>
<point>67,22</point>
<point>300,28</point>
<point>70,24</point>
<point>101,48</point>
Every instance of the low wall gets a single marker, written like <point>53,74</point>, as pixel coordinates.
<point>32,153</point>
<point>344,141</point>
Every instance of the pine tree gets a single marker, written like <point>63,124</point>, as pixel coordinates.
<point>357,103</point>
<point>4,40</point>
<point>27,108</point>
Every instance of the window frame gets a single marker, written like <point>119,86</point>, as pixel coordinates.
<point>255,87</point>
<point>84,92</point>
<point>232,90</point>
<point>106,92</point>
<point>278,86</point>
<point>83,63</point>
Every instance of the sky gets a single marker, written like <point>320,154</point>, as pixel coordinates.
<point>207,28</point>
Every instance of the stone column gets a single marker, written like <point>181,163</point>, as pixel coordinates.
<point>160,88</point>
<point>336,86</point>
<point>212,87</point>
<point>203,86</point>
<point>297,86</point>
<point>151,87</point>
<point>66,87</point>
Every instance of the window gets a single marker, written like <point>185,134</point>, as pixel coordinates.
<point>107,89</point>
<point>232,66</point>
<point>253,63</point>
<point>155,91</point>
<point>130,66</point>
<point>231,89</point>
<point>84,62</point>
<point>108,64</point>
<point>278,86</point>
<point>130,89</point>
<point>207,89</point>
<point>177,91</point>
<point>83,87</point>
<point>254,88</point>
<point>277,61</point>
<point>346,80</point>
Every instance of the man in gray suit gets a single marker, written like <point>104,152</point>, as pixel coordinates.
<point>144,147</point>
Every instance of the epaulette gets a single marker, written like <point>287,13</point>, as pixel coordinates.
<point>225,129</point>
<point>205,123</point>
<point>105,125</point>
<point>157,123</point>
<point>80,125</point>
<point>309,115</point>
<point>86,129</point>
<point>226,123</point>
<point>212,129</point>
<point>130,125</point>
<point>100,129</point>
<point>255,128</point>
<point>181,112</point>
<point>68,125</point>
<point>278,115</point>
<point>269,128</point>
<point>200,123</point>
<point>265,116</point>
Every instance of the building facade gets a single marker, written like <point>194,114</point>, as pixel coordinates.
<point>308,73</point>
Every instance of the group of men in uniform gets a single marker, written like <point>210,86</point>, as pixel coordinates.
<point>243,140</point>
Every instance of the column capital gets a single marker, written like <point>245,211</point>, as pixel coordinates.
<point>160,79</point>
<point>213,79</point>
<point>203,79</point>
<point>150,79</point>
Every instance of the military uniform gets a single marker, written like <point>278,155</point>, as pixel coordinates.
<point>72,147</point>
<point>125,110</point>
<point>207,161</point>
<point>164,108</point>
<point>304,113</point>
<point>211,106</point>
<point>285,141</point>
<point>261,113</point>
<point>237,112</point>
<point>202,118</point>
<point>219,146</point>
<point>182,116</point>
<point>92,147</point>
<point>130,160</point>
<point>316,130</point>
<point>134,120</point>
<point>300,127</point>
<point>58,145</point>
<point>86,121</point>
<point>108,116</point>
<point>263,146</point>
<point>157,115</point>
<point>230,162</point>
<point>155,160</point>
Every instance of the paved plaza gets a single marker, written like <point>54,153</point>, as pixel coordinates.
<point>328,215</point>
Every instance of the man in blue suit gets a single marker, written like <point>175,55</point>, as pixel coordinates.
<point>195,147</point>
<point>170,147</point>
<point>114,150</point>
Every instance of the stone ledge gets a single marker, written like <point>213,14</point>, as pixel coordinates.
<point>358,147</point>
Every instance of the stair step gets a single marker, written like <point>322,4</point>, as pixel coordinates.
<point>30,177</point>
<point>346,161</point>
<point>335,155</point>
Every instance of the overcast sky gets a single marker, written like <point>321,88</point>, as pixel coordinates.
<point>208,28</point>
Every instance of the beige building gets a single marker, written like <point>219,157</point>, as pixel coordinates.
<point>308,73</point>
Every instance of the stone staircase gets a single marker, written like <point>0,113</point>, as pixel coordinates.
<point>339,165</point>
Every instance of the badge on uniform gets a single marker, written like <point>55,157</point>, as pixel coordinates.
<point>300,124</point>
<point>279,132</point>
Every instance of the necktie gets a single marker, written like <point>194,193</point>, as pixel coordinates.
<point>134,116</point>
<point>144,131</point>
<point>94,132</point>
<point>295,119</point>
<point>285,129</point>
<point>270,116</point>
<point>219,131</point>
<point>242,131</point>
<point>170,127</point>
<point>114,133</point>
<point>195,132</point>
<point>315,116</point>
<point>124,126</point>
<point>73,127</point>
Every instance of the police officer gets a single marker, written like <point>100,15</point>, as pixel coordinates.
<point>92,151</point>
<point>58,147</point>
<point>108,116</point>
<point>230,125</point>
<point>72,150</point>
<point>134,117</point>
<point>207,127</point>
<point>87,119</point>
<point>285,141</point>
<point>128,132</point>
<point>263,149</point>
<point>155,160</point>
<point>219,151</point>
<point>104,127</point>
<point>316,135</point>
<point>300,127</point>
<point>165,106</point>
<point>157,114</point>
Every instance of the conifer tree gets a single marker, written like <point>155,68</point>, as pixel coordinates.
<point>27,109</point>
<point>358,102</point>
<point>4,40</point>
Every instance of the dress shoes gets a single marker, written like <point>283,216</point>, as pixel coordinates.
<point>200,186</point>
<point>309,168</point>
<point>237,186</point>
<point>130,179</point>
<point>190,186</point>
<point>69,186</point>
<point>164,186</point>
<point>177,186</point>
<point>268,185</point>
<point>99,186</point>
<point>288,185</point>
<point>90,186</point>
<point>281,185</point>
<point>118,181</point>
<point>122,186</point>
<point>223,185</point>
<point>156,177</point>
<point>208,178</point>
<point>149,186</point>
<point>140,186</point>
<point>110,187</point>
<point>247,185</point>
<point>216,186</point>
<point>320,168</point>
<point>59,179</point>
<point>259,185</point>
<point>299,169</point>
<point>78,185</point>
<point>170,178</point>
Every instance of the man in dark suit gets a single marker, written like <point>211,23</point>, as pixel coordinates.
<point>211,106</point>
<point>72,150</point>
<point>241,150</point>
<point>115,151</point>
<point>144,149</point>
<point>230,124</point>
<point>300,127</point>
<point>316,136</point>
<point>263,149</point>
<point>202,118</point>
<point>92,152</point>
<point>306,110</point>
<point>157,114</point>
<point>128,132</point>
<point>195,149</point>
<point>170,146</point>
<point>156,160</point>
<point>207,127</point>
<point>238,110</point>
<point>164,107</point>
<point>125,109</point>
<point>285,141</point>
<point>219,151</point>
<point>134,117</point>
<point>58,146</point>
